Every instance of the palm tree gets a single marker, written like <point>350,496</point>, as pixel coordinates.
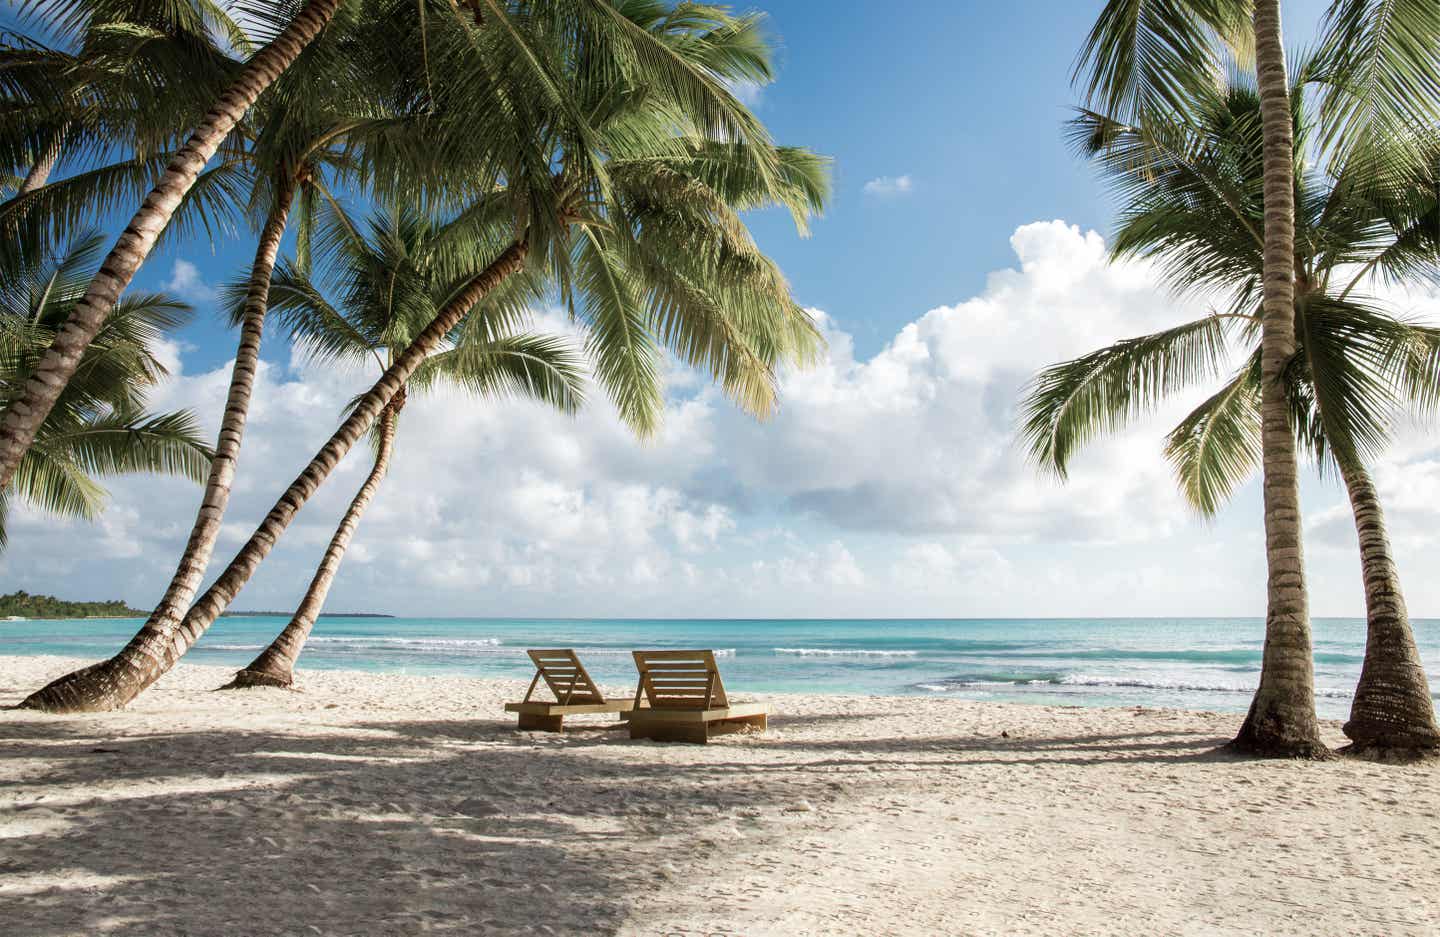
<point>390,291</point>
<point>619,159</point>
<point>1145,57</point>
<point>305,135</point>
<point>99,427</point>
<point>300,142</point>
<point>104,109</point>
<point>28,409</point>
<point>1194,200</point>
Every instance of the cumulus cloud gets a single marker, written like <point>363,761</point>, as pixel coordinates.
<point>886,485</point>
<point>888,186</point>
<point>187,283</point>
<point>919,439</point>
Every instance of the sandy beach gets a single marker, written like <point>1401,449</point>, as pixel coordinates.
<point>387,804</point>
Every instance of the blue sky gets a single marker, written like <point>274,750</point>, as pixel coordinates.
<point>963,250</point>
<point>964,98</point>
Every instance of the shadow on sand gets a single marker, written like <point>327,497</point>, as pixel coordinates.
<point>459,826</point>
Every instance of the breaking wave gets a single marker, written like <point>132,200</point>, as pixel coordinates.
<point>841,652</point>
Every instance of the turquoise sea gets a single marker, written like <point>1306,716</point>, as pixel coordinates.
<point>1191,663</point>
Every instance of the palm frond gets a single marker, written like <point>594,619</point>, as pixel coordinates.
<point>1383,69</point>
<point>1216,447</point>
<point>543,368</point>
<point>1070,403</point>
<point>1148,56</point>
<point>626,359</point>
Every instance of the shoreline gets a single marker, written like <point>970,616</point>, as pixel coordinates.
<point>1011,687</point>
<point>403,804</point>
<point>222,673</point>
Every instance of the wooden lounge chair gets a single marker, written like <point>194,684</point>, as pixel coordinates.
<point>575,693</point>
<point>687,701</point>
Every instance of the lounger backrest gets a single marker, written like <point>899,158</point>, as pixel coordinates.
<point>679,680</point>
<point>565,676</point>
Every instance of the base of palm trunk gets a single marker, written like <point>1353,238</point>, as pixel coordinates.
<point>1390,741</point>
<point>1395,714</point>
<point>1390,754</point>
<point>1271,735</point>
<point>101,687</point>
<point>244,679</point>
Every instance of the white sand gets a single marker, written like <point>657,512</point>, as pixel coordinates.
<point>396,805</point>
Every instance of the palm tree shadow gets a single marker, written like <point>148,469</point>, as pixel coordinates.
<point>460,825</point>
<point>436,825</point>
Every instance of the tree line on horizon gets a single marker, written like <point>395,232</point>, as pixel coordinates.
<point>442,165</point>
<point>22,604</point>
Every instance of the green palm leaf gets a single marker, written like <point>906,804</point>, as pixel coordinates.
<point>1216,447</point>
<point>1070,403</point>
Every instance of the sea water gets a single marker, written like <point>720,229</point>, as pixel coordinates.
<point>1189,663</point>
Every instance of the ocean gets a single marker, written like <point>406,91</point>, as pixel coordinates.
<point>1187,663</point>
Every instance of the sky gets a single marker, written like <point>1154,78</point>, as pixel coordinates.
<point>963,250</point>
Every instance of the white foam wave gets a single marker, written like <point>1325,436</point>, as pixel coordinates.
<point>625,651</point>
<point>364,640</point>
<point>841,652</point>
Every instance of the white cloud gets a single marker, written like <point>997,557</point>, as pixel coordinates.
<point>919,439</point>
<point>187,283</point>
<point>889,186</point>
<point>749,93</point>
<point>887,485</point>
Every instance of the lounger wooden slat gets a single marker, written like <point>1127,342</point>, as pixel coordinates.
<point>570,684</point>
<point>686,699</point>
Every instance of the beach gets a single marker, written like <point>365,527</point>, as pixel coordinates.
<point>380,803</point>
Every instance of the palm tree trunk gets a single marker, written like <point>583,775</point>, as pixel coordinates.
<point>54,370</point>
<point>1392,708</point>
<point>158,632</point>
<point>39,173</point>
<point>275,666</point>
<point>1282,718</point>
<point>115,682</point>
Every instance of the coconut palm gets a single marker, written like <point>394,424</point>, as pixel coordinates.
<point>304,136</point>
<point>28,409</point>
<point>1146,57</point>
<point>1194,201</point>
<point>114,78</point>
<point>103,108</point>
<point>619,161</point>
<point>389,289</point>
<point>100,426</point>
<point>299,142</point>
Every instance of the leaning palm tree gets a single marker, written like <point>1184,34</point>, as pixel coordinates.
<point>1146,57</point>
<point>117,78</point>
<point>304,137</point>
<point>297,146</point>
<point>100,426</point>
<point>27,410</point>
<point>1194,201</point>
<point>97,108</point>
<point>619,162</point>
<point>389,289</point>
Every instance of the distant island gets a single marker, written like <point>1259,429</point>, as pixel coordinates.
<point>21,604</point>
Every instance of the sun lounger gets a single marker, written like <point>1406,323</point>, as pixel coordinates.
<point>687,701</point>
<point>575,693</point>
